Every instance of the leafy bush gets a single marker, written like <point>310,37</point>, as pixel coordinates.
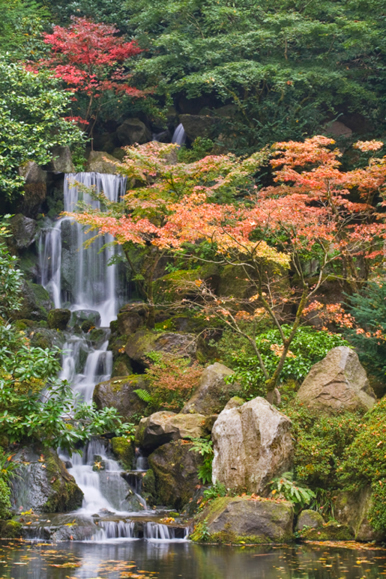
<point>293,491</point>
<point>200,148</point>
<point>308,347</point>
<point>172,381</point>
<point>364,462</point>
<point>10,276</point>
<point>5,503</point>
<point>204,447</point>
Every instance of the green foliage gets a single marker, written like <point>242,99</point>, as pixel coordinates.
<point>201,533</point>
<point>320,442</point>
<point>364,462</point>
<point>144,395</point>
<point>369,312</point>
<point>308,347</point>
<point>293,491</point>
<point>5,503</point>
<point>215,491</point>
<point>7,471</point>
<point>284,67</point>
<point>32,107</point>
<point>204,447</point>
<point>22,22</point>
<point>200,148</point>
<point>10,276</point>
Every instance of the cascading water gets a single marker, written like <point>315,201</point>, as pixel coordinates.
<point>81,280</point>
<point>179,135</point>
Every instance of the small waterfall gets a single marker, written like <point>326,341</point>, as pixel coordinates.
<point>179,135</point>
<point>115,530</point>
<point>157,531</point>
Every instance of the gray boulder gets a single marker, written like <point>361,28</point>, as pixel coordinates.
<point>101,162</point>
<point>162,427</point>
<point>352,509</point>
<point>61,160</point>
<point>213,392</point>
<point>119,393</point>
<point>133,131</point>
<point>80,316</point>
<point>23,231</point>
<point>309,519</point>
<point>246,519</point>
<point>35,188</point>
<point>252,443</point>
<point>337,383</point>
<point>43,484</point>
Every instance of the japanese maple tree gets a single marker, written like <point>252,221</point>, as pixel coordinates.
<point>91,60</point>
<point>306,217</point>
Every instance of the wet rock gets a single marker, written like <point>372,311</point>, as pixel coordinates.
<point>310,519</point>
<point>119,393</point>
<point>144,341</point>
<point>101,162</point>
<point>252,444</point>
<point>61,160</point>
<point>46,339</point>
<point>247,520</point>
<point>352,509</point>
<point>337,383</point>
<point>162,427</point>
<point>23,231</point>
<point>175,469</point>
<point>124,451</point>
<point>213,392</point>
<point>58,319</point>
<point>43,484</point>
<point>133,131</point>
<point>331,531</point>
<point>92,317</point>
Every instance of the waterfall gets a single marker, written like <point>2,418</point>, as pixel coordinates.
<point>179,136</point>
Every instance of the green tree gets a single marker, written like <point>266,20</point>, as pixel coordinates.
<point>32,109</point>
<point>20,27</point>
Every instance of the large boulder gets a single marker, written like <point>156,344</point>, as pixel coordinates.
<point>42,483</point>
<point>144,341</point>
<point>247,520</point>
<point>352,509</point>
<point>101,162</point>
<point>175,467</point>
<point>331,531</point>
<point>337,383</point>
<point>213,392</point>
<point>119,393</point>
<point>197,125</point>
<point>23,231</point>
<point>133,131</point>
<point>58,319</point>
<point>162,427</point>
<point>252,443</point>
<point>309,519</point>
<point>61,160</point>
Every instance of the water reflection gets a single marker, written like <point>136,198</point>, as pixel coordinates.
<point>20,560</point>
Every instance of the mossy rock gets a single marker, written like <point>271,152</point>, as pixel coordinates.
<point>331,531</point>
<point>35,303</point>
<point>58,319</point>
<point>124,451</point>
<point>121,366</point>
<point>145,341</point>
<point>119,393</point>
<point>149,491</point>
<point>10,529</point>
<point>246,520</point>
<point>309,519</point>
<point>233,282</point>
<point>167,289</point>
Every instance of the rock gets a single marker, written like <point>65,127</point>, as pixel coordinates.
<point>310,519</point>
<point>80,316</point>
<point>162,427</point>
<point>175,469</point>
<point>252,444</point>
<point>23,231</point>
<point>35,188</point>
<point>337,129</point>
<point>331,531</point>
<point>61,160</point>
<point>247,520</point>
<point>133,131</point>
<point>213,392</point>
<point>337,383</point>
<point>352,509</point>
<point>144,341</point>
<point>35,302</point>
<point>233,283</point>
<point>129,321</point>
<point>123,450</point>
<point>119,393</point>
<point>197,125</point>
<point>10,529</point>
<point>58,319</point>
<point>101,162</point>
<point>43,483</point>
<point>46,339</point>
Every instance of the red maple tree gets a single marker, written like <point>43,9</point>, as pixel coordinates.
<point>91,59</point>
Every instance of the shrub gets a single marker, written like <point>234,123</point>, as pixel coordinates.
<point>293,491</point>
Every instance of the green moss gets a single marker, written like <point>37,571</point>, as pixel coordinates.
<point>124,451</point>
<point>166,289</point>
<point>10,529</point>
<point>5,503</point>
<point>329,532</point>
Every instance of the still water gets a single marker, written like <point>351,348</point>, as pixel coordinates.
<point>141,559</point>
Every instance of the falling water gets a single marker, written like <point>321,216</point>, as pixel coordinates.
<point>179,136</point>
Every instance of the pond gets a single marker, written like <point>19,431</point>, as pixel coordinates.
<point>168,560</point>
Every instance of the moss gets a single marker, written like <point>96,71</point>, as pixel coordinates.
<point>66,495</point>
<point>5,503</point>
<point>328,532</point>
<point>10,529</point>
<point>58,319</point>
<point>166,289</point>
<point>124,451</point>
<point>149,487</point>
<point>121,366</point>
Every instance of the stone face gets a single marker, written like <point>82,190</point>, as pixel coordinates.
<point>352,509</point>
<point>23,231</point>
<point>236,519</point>
<point>101,162</point>
<point>145,341</point>
<point>43,483</point>
<point>133,131</point>
<point>213,392</point>
<point>119,393</point>
<point>252,444</point>
<point>175,469</point>
<point>163,427</point>
<point>309,519</point>
<point>337,383</point>
<point>58,319</point>
<point>62,160</point>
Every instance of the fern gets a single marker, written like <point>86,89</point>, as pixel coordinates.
<point>144,395</point>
